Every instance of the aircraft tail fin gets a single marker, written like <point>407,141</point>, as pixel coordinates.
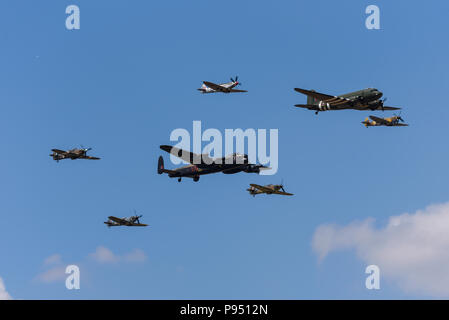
<point>160,165</point>
<point>311,100</point>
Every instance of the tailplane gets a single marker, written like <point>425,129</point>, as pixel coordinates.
<point>311,100</point>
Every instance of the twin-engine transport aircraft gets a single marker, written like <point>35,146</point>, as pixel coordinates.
<point>72,154</point>
<point>389,122</point>
<point>366,99</point>
<point>132,221</point>
<point>210,87</point>
<point>268,189</point>
<point>202,164</point>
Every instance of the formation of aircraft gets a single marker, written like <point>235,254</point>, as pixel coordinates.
<point>132,221</point>
<point>201,164</point>
<point>268,189</point>
<point>388,122</point>
<point>210,87</point>
<point>73,154</point>
<point>366,99</point>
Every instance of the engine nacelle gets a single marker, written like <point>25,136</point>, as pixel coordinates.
<point>323,106</point>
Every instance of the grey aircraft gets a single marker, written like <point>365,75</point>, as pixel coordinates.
<point>210,87</point>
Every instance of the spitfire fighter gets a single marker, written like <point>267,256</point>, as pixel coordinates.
<point>210,87</point>
<point>268,189</point>
<point>388,122</point>
<point>201,164</point>
<point>132,221</point>
<point>71,154</point>
<point>366,99</point>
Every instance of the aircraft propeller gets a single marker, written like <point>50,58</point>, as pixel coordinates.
<point>85,149</point>
<point>236,80</point>
<point>398,116</point>
<point>282,185</point>
<point>382,103</point>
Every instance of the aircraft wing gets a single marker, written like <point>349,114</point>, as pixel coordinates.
<point>237,90</point>
<point>401,125</point>
<point>89,158</point>
<point>388,108</point>
<point>214,86</point>
<point>118,220</point>
<point>138,225</point>
<point>59,151</point>
<point>379,120</point>
<point>283,193</point>
<point>307,106</point>
<point>190,157</point>
<point>326,98</point>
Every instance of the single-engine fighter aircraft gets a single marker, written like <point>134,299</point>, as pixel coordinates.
<point>72,154</point>
<point>201,164</point>
<point>210,87</point>
<point>268,189</point>
<point>389,122</point>
<point>366,99</point>
<point>132,221</point>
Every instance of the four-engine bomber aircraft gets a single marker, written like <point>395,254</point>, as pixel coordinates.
<point>72,154</point>
<point>132,221</point>
<point>366,99</point>
<point>389,122</point>
<point>268,189</point>
<point>210,87</point>
<point>201,164</point>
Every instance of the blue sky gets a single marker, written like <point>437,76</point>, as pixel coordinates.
<point>128,77</point>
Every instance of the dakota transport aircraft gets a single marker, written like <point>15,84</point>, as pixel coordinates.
<point>366,99</point>
<point>201,164</point>
<point>210,87</point>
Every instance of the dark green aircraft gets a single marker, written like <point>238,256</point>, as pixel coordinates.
<point>201,164</point>
<point>366,99</point>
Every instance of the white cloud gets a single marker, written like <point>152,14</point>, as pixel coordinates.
<point>105,255</point>
<point>55,274</point>
<point>4,295</point>
<point>53,260</point>
<point>137,255</point>
<point>412,249</point>
<point>55,267</point>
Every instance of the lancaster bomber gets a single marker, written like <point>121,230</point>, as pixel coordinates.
<point>268,189</point>
<point>210,87</point>
<point>71,154</point>
<point>201,164</point>
<point>388,122</point>
<point>366,99</point>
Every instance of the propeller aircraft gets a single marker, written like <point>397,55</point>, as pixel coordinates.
<point>268,189</point>
<point>71,154</point>
<point>201,164</point>
<point>210,87</point>
<point>388,122</point>
<point>366,99</point>
<point>132,221</point>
